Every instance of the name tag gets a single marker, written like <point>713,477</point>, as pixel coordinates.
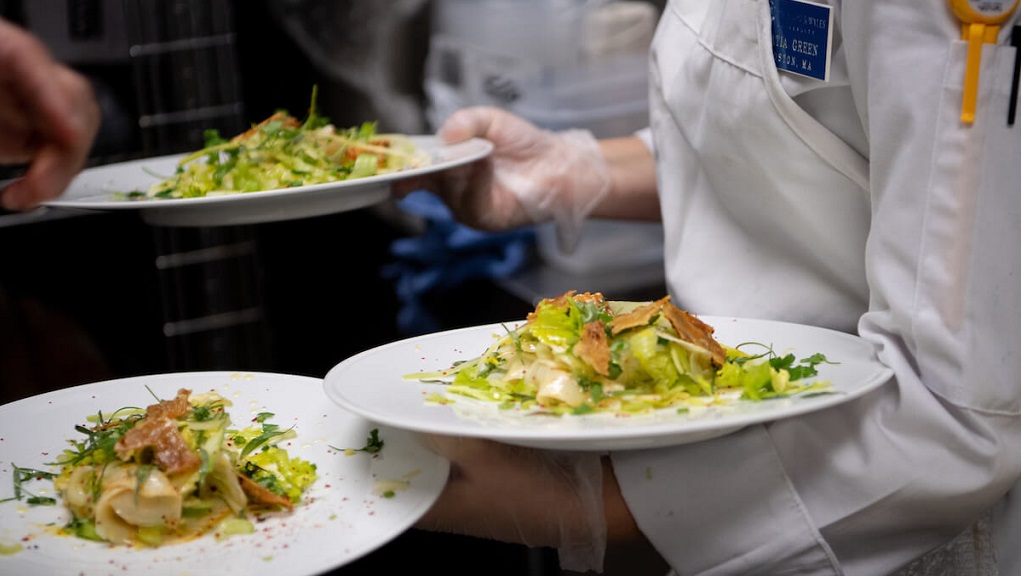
<point>802,37</point>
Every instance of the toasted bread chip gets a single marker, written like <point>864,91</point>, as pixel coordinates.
<point>693,330</point>
<point>172,409</point>
<point>563,300</point>
<point>171,452</point>
<point>259,493</point>
<point>158,430</point>
<point>640,316</point>
<point>286,119</point>
<point>590,298</point>
<point>594,348</point>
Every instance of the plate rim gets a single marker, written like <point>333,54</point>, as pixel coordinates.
<point>485,148</point>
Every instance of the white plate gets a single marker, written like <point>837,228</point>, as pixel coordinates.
<point>371,384</point>
<point>341,519</point>
<point>94,189</point>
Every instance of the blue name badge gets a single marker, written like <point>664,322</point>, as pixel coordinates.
<point>802,37</point>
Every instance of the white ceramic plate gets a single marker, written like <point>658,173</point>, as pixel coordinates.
<point>372,384</point>
<point>341,518</point>
<point>94,189</point>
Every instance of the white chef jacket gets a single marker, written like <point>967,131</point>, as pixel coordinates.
<point>862,204</point>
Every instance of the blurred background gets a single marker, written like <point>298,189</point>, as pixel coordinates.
<point>106,295</point>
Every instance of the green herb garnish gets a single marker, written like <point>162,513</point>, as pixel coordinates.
<point>373,445</point>
<point>24,475</point>
<point>269,431</point>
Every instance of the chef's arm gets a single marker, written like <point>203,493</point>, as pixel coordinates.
<point>633,193</point>
<point>535,175</point>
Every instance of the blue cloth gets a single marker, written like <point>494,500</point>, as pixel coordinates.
<point>445,255</point>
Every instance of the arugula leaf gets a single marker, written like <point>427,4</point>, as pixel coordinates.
<point>99,442</point>
<point>805,368</point>
<point>212,137</point>
<point>583,409</point>
<point>593,386</point>
<point>269,431</point>
<point>206,412</point>
<point>24,475</point>
<point>373,445</point>
<point>590,312</point>
<point>83,528</point>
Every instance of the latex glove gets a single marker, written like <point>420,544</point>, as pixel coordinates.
<point>524,496</point>
<point>532,176</point>
<point>49,118</point>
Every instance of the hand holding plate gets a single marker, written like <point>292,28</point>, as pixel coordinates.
<point>521,495</point>
<point>533,175</point>
<point>49,118</point>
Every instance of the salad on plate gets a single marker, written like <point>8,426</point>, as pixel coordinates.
<point>284,152</point>
<point>580,354</point>
<point>171,472</point>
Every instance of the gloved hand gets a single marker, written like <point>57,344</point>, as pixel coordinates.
<point>532,176</point>
<point>525,496</point>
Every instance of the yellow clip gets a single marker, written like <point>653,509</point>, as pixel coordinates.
<point>975,35</point>
<point>980,21</point>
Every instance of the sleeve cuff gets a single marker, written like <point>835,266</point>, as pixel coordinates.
<point>645,135</point>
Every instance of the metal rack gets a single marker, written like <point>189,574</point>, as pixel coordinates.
<point>183,56</point>
<point>185,65</point>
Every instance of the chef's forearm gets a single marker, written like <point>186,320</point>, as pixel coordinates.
<point>632,194</point>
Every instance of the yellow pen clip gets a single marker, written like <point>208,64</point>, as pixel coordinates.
<point>980,24</point>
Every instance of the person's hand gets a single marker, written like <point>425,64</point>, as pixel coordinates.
<point>533,175</point>
<point>533,497</point>
<point>49,118</point>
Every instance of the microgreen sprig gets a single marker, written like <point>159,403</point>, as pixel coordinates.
<point>373,444</point>
<point>269,431</point>
<point>24,475</point>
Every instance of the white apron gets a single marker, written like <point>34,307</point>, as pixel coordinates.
<point>859,203</point>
